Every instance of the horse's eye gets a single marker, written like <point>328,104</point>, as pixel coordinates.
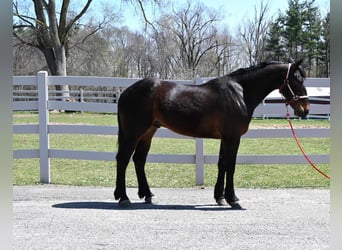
<point>298,76</point>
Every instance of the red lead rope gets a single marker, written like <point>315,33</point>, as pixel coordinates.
<point>301,148</point>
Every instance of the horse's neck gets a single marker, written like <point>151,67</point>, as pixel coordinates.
<point>258,87</point>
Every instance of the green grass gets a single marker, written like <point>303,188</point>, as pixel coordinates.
<point>102,173</point>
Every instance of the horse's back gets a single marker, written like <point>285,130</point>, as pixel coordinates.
<point>138,88</point>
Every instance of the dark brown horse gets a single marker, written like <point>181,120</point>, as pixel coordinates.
<point>221,108</point>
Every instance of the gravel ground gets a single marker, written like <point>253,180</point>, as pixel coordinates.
<point>65,217</point>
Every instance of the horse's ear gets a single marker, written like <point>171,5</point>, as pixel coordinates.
<point>300,61</point>
<point>296,65</point>
<point>291,60</point>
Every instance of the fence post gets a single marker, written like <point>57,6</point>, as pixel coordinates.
<point>81,98</point>
<point>199,157</point>
<point>44,143</point>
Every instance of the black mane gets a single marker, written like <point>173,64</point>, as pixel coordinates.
<point>261,65</point>
<point>251,68</point>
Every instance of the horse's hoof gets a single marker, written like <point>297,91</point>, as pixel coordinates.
<point>235,205</point>
<point>124,203</point>
<point>151,200</point>
<point>221,202</point>
<point>233,199</point>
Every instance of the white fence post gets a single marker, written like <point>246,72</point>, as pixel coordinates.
<point>44,143</point>
<point>81,98</point>
<point>199,161</point>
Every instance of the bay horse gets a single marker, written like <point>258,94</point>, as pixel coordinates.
<point>221,108</point>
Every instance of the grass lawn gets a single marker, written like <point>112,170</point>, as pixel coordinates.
<point>102,173</point>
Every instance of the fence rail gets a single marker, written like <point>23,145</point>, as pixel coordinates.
<point>44,103</point>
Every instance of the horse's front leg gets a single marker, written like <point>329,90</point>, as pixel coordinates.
<point>219,186</point>
<point>231,147</point>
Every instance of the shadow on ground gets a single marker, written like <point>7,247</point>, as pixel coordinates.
<point>139,206</point>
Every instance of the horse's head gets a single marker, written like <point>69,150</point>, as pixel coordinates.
<point>294,91</point>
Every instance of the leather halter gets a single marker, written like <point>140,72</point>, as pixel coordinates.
<point>286,83</point>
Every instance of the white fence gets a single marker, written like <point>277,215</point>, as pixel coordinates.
<point>42,103</point>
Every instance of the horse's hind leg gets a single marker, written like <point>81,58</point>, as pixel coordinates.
<point>123,156</point>
<point>139,159</point>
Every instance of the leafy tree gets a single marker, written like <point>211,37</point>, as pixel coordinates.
<point>324,49</point>
<point>292,23</point>
<point>274,49</point>
<point>311,36</point>
<point>298,34</point>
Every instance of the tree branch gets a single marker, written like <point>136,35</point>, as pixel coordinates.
<point>55,39</point>
<point>22,41</point>
<point>89,35</point>
<point>41,21</point>
<point>83,11</point>
<point>63,15</point>
<point>144,15</point>
<point>24,18</point>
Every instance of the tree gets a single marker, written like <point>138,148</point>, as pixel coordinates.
<point>91,57</point>
<point>253,35</point>
<point>274,49</point>
<point>300,33</point>
<point>194,29</point>
<point>21,53</point>
<point>187,43</point>
<point>219,59</point>
<point>311,29</point>
<point>324,48</point>
<point>49,32</point>
<point>166,48</point>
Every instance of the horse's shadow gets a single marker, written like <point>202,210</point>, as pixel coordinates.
<point>142,206</point>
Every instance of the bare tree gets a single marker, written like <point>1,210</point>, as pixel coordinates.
<point>166,48</point>
<point>91,57</point>
<point>195,31</point>
<point>49,31</point>
<point>221,55</point>
<point>21,65</point>
<point>253,33</point>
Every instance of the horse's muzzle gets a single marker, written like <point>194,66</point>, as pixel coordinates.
<point>301,108</point>
<point>301,113</point>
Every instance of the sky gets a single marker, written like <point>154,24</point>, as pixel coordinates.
<point>234,11</point>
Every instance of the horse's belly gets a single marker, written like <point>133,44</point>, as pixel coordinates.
<point>195,133</point>
<point>193,127</point>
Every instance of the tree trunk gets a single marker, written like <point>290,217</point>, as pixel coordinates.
<point>56,61</point>
<point>63,90</point>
